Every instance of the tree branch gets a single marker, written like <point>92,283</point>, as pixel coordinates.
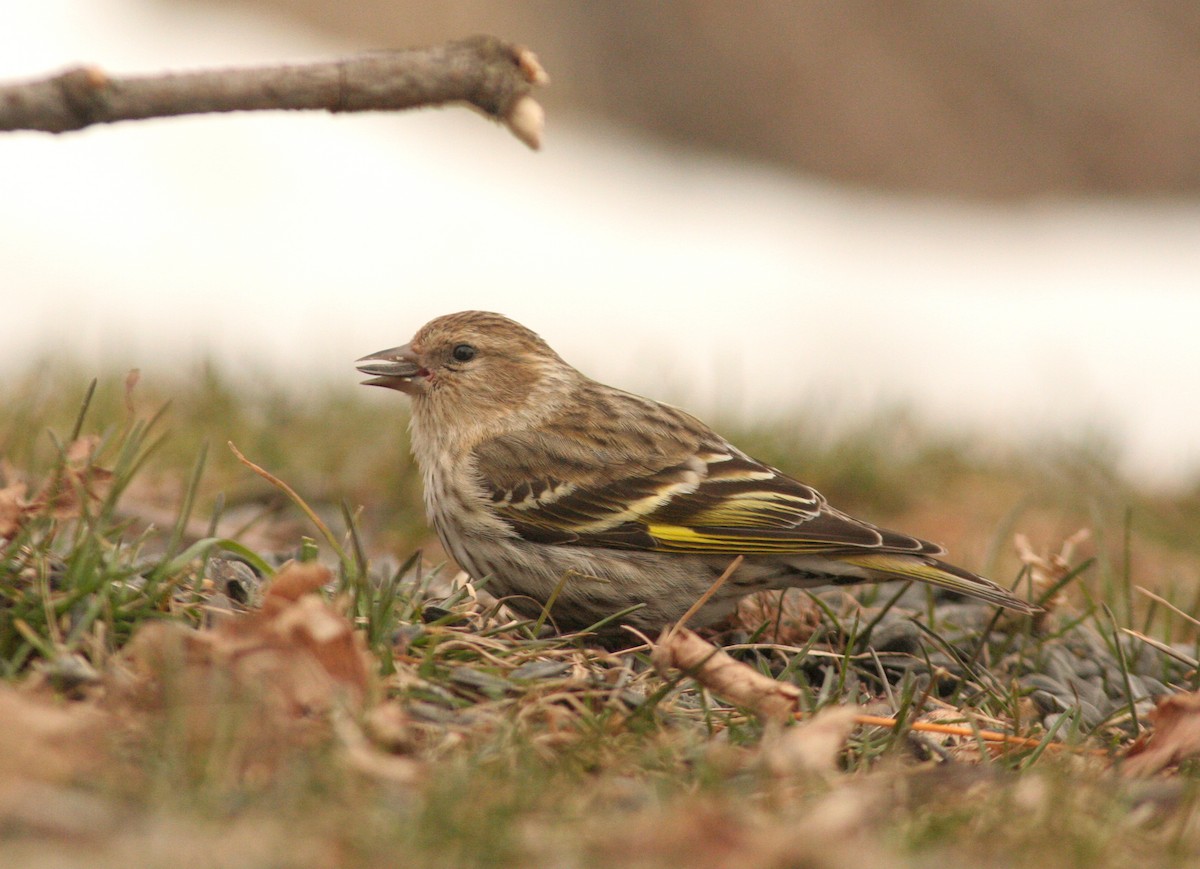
<point>494,76</point>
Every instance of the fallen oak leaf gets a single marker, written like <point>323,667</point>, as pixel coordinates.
<point>813,745</point>
<point>294,580</point>
<point>47,741</point>
<point>77,481</point>
<point>1048,572</point>
<point>81,450</point>
<point>14,509</point>
<point>294,661</point>
<point>365,755</point>
<point>682,649</point>
<point>789,617</point>
<point>296,620</point>
<point>331,640</point>
<point>1175,737</point>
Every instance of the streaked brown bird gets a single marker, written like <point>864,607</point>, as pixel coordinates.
<point>557,488</point>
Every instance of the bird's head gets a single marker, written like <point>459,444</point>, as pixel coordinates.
<point>477,362</point>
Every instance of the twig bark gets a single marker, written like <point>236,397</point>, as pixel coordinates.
<point>494,76</point>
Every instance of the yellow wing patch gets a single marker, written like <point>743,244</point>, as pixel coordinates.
<point>752,510</point>
<point>680,538</point>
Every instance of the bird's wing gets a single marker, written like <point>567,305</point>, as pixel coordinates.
<point>711,499</point>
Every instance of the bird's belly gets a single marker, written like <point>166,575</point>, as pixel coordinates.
<point>588,585</point>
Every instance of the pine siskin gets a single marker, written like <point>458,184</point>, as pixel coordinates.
<point>558,488</point>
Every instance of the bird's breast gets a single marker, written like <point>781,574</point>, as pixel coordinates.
<point>455,501</point>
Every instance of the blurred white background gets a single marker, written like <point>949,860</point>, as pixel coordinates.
<point>293,244</point>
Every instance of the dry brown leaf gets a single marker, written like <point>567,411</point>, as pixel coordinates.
<point>49,753</point>
<point>48,741</point>
<point>278,673</point>
<point>366,757</point>
<point>64,495</point>
<point>391,727</point>
<point>813,745</point>
<point>742,685</point>
<point>1046,570</point>
<point>790,616</point>
<point>1176,736</point>
<point>13,509</point>
<point>294,580</point>
<point>293,613</point>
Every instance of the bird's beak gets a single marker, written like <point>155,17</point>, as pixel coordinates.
<point>398,368</point>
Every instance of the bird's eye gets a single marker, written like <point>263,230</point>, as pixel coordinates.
<point>463,353</point>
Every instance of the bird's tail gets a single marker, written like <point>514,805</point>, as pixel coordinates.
<point>891,567</point>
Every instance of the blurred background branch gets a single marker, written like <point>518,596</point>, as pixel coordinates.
<point>483,71</point>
